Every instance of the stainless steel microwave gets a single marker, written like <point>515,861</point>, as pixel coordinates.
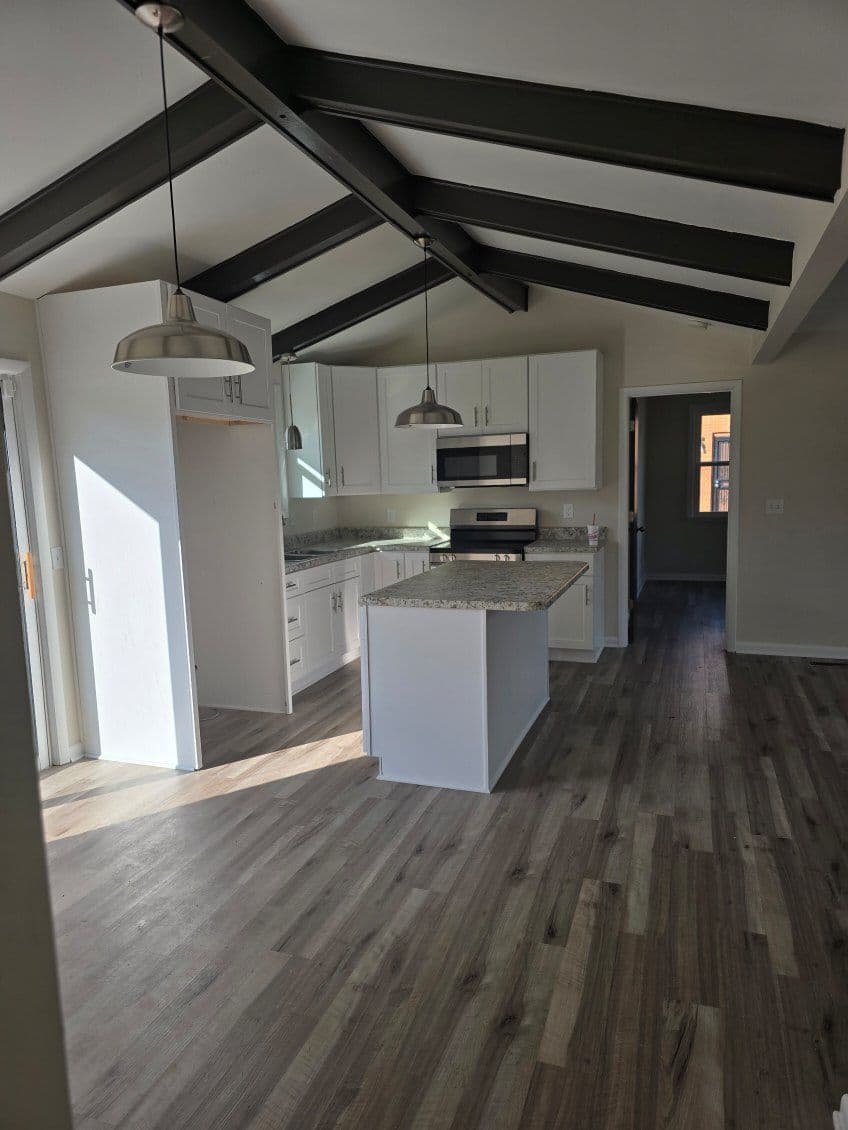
<point>482,461</point>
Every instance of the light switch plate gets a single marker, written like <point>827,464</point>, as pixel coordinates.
<point>568,510</point>
<point>774,506</point>
<point>57,557</point>
<point>391,515</point>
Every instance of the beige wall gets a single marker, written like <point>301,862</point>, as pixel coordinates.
<point>19,341</point>
<point>793,576</point>
<point>312,514</point>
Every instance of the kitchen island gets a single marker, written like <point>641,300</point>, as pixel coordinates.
<point>455,669</point>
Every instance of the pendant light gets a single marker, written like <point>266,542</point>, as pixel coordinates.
<point>428,413</point>
<point>179,346</point>
<point>293,439</point>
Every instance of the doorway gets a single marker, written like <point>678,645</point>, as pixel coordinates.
<point>28,581</point>
<point>678,513</point>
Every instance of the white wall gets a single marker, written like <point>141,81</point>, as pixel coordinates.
<point>794,442</point>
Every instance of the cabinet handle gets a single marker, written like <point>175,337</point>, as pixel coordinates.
<point>475,415</point>
<point>343,476</point>
<point>341,601</point>
<point>486,418</point>
<point>293,661</point>
<point>432,472</point>
<point>237,389</point>
<point>397,568</point>
<point>228,389</point>
<point>292,619</point>
<point>335,606</point>
<point>327,478</point>
<point>588,591</point>
<point>291,584</point>
<point>533,473</point>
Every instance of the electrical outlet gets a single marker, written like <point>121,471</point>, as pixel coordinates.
<point>774,506</point>
<point>568,510</point>
<point>391,515</point>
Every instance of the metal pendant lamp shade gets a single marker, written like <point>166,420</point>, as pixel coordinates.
<point>293,439</point>
<point>428,413</point>
<point>180,346</point>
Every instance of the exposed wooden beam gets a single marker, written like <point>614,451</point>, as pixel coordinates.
<point>332,226</point>
<point>752,150</point>
<point>711,305</point>
<point>359,307</point>
<point>232,44</point>
<point>201,123</point>
<point>703,249</point>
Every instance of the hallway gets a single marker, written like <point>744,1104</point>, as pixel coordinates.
<point>644,926</point>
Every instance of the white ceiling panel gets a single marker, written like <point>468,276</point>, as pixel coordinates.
<point>341,272</point>
<point>246,192</point>
<point>624,263</point>
<point>681,199</point>
<point>75,76</point>
<point>761,56</point>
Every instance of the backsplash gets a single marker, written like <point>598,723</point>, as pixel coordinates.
<point>361,533</point>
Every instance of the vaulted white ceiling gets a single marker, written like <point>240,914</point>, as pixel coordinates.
<point>79,76</point>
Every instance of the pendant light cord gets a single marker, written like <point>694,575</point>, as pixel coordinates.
<point>168,152</point>
<point>426,321</point>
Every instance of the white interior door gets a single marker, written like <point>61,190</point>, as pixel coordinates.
<point>29,587</point>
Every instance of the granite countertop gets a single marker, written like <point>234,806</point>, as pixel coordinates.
<point>487,587</point>
<point>565,539</point>
<point>336,545</point>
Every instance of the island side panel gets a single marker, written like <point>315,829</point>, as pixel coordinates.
<point>427,696</point>
<point>517,682</point>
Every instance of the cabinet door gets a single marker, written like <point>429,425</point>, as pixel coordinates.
<point>415,563</point>
<point>565,421</point>
<point>357,434</point>
<point>408,455</point>
<point>311,471</point>
<point>252,392</point>
<point>389,568</point>
<point>505,395</point>
<point>319,626</point>
<point>570,618</point>
<point>212,396</point>
<point>460,387</point>
<point>347,615</point>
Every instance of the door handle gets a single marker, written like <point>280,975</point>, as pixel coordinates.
<point>640,529</point>
<point>28,575</point>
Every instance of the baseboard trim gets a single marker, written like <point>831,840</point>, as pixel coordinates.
<point>322,672</point>
<point>574,655</point>
<point>792,650</point>
<point>685,577</point>
<point>76,752</point>
<point>614,641</point>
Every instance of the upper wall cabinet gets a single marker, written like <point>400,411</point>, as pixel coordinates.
<point>566,417</point>
<point>312,470</point>
<point>357,432</point>
<point>408,455</point>
<point>246,397</point>
<point>491,396</point>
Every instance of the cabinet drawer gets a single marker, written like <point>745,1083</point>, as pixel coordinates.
<point>307,579</point>
<point>294,617</point>
<point>347,567</point>
<point>587,558</point>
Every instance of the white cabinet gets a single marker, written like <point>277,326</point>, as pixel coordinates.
<point>566,416</point>
<point>408,455</point>
<point>312,470</point>
<point>323,618</point>
<point>319,614</point>
<point>347,616</point>
<point>491,396</point>
<point>415,562</point>
<point>576,620</point>
<point>356,430</point>
<point>389,567</point>
<point>246,397</point>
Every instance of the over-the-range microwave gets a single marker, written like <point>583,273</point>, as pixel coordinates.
<point>482,461</point>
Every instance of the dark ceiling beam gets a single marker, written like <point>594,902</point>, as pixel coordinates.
<point>230,42</point>
<point>358,308</point>
<point>334,225</point>
<point>709,305</point>
<point>752,150</point>
<point>201,123</point>
<point>703,249</point>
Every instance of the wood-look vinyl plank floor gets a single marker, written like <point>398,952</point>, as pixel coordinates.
<point>645,926</point>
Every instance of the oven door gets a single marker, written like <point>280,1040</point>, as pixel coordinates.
<point>482,461</point>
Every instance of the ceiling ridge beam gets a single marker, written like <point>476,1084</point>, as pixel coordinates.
<point>751,150</point>
<point>358,307</point>
<point>205,121</point>
<point>664,241</point>
<point>709,305</point>
<point>330,227</point>
<point>233,45</point>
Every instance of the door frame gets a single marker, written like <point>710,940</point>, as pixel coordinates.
<point>732,583</point>
<point>19,397</point>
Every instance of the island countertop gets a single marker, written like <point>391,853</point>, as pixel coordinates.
<point>524,586</point>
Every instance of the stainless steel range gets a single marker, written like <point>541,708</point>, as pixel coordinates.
<point>487,535</point>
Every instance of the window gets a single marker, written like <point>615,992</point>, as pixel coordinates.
<point>710,463</point>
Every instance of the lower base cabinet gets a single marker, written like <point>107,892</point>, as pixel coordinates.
<point>576,620</point>
<point>323,620</point>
